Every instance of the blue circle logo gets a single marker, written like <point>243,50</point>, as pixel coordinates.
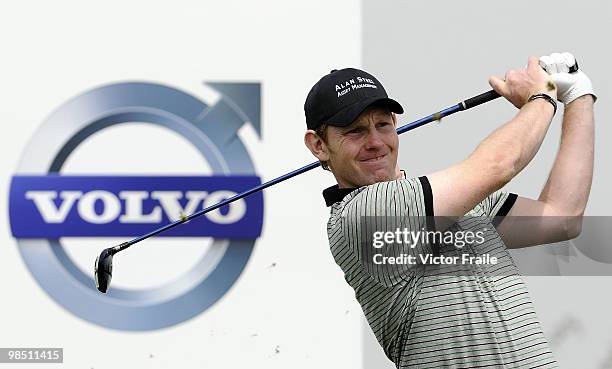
<point>45,205</point>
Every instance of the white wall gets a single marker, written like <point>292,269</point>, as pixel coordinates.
<point>296,314</point>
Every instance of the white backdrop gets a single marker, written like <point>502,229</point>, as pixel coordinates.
<point>290,307</point>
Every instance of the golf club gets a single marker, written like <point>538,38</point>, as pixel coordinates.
<point>103,268</point>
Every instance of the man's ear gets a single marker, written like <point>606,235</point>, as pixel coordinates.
<point>316,145</point>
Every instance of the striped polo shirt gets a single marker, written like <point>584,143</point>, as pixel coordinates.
<point>435,315</point>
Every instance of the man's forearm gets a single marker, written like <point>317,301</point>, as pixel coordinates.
<point>569,181</point>
<point>514,144</point>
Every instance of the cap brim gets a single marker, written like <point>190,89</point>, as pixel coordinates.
<point>348,115</point>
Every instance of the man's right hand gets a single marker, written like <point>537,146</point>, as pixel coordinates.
<point>504,153</point>
<point>519,85</point>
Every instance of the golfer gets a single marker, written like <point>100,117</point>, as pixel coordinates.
<point>433,302</point>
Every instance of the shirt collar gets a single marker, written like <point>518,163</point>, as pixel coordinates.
<point>334,194</point>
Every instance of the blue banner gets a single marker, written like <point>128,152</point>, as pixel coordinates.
<point>53,206</point>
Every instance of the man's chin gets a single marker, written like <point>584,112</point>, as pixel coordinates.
<point>378,176</point>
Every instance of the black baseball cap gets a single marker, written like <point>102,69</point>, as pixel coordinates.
<point>339,97</point>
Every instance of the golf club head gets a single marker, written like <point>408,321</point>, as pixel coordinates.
<point>103,270</point>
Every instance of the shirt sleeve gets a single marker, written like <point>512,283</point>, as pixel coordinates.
<point>384,221</point>
<point>498,205</point>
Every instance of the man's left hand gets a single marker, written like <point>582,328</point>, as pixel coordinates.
<point>570,86</point>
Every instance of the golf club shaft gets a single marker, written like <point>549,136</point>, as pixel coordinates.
<point>463,105</point>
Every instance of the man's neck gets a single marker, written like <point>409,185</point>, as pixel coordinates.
<point>399,174</point>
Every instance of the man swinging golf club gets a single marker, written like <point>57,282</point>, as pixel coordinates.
<point>424,312</point>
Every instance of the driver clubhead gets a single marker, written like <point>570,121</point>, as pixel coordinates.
<point>103,270</point>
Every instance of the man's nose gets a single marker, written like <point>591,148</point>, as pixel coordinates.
<point>373,139</point>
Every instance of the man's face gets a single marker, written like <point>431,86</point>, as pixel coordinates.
<point>364,152</point>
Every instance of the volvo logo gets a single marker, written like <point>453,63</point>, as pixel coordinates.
<point>46,205</point>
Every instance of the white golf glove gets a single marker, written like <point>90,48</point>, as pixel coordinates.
<point>571,82</point>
